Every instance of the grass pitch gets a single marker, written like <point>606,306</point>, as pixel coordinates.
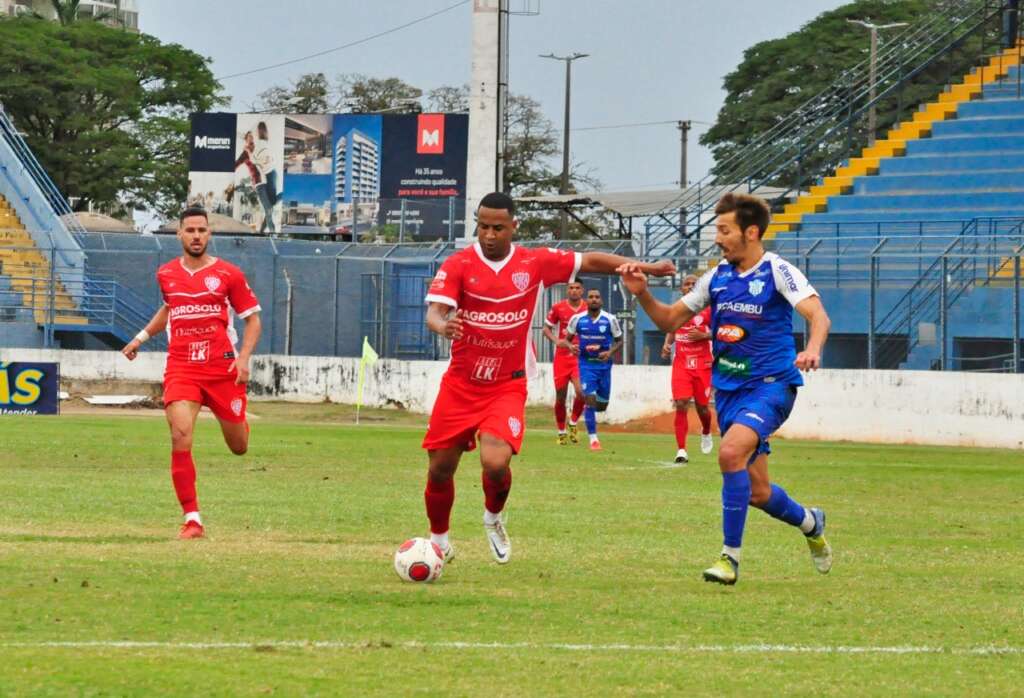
<point>293,591</point>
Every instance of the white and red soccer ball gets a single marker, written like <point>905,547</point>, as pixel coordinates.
<point>419,560</point>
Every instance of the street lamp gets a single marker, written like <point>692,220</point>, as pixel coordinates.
<point>564,187</point>
<point>874,55</point>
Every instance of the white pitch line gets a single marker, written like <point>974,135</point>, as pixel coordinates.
<point>570,647</point>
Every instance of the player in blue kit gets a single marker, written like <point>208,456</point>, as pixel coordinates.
<point>756,371</point>
<point>600,336</point>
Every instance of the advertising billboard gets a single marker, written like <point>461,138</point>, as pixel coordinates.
<point>350,175</point>
<point>29,388</point>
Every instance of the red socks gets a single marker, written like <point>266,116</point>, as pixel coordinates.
<point>439,497</point>
<point>682,425</point>
<point>705,422</point>
<point>496,491</point>
<point>577,408</point>
<point>183,475</point>
<point>560,415</point>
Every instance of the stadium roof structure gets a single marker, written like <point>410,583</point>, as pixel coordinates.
<point>628,204</point>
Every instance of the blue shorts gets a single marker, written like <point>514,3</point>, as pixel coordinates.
<point>763,407</point>
<point>596,380</point>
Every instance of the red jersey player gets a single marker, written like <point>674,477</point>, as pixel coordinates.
<point>203,367</point>
<point>691,374</point>
<point>482,299</point>
<point>566,367</point>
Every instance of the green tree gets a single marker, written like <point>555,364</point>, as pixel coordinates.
<point>776,78</point>
<point>310,94</point>
<point>105,111</point>
<point>365,95</point>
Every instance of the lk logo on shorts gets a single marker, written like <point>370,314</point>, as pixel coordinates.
<point>486,369</point>
<point>199,351</point>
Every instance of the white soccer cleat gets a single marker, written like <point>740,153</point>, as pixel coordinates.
<point>448,552</point>
<point>706,444</point>
<point>682,456</point>
<point>497,539</point>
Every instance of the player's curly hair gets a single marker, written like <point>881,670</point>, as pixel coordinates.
<point>750,210</point>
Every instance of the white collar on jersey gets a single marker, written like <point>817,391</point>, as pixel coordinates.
<point>496,267</point>
<point>193,272</point>
<point>765,257</point>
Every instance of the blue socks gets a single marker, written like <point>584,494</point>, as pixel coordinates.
<point>735,501</point>
<point>781,507</point>
<point>590,417</point>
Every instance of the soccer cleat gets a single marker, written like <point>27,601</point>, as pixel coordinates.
<point>706,444</point>
<point>682,456</point>
<point>821,551</point>
<point>448,552</point>
<point>573,434</point>
<point>595,445</point>
<point>563,440</point>
<point>724,571</point>
<point>497,538</point>
<point>190,529</point>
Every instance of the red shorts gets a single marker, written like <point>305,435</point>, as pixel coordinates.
<point>565,368</point>
<point>463,410</point>
<point>691,382</point>
<point>224,398</point>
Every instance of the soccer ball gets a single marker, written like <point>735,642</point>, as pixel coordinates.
<point>419,560</point>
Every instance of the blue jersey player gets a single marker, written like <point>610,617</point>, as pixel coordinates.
<point>600,336</point>
<point>756,371</point>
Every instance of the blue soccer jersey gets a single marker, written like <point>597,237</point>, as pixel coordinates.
<point>752,321</point>
<point>595,334</point>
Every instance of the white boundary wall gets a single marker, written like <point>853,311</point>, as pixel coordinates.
<point>920,407</point>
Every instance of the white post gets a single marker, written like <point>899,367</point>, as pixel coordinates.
<point>485,116</point>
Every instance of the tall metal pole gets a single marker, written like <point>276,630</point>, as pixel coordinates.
<point>872,73</point>
<point>564,186</point>
<point>684,137</point>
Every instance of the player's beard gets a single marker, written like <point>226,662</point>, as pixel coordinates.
<point>192,253</point>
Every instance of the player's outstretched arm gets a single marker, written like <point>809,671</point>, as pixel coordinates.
<point>441,320</point>
<point>605,263</point>
<point>250,336</point>
<point>156,324</point>
<point>813,311</point>
<point>668,318</point>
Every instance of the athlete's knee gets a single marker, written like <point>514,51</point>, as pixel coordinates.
<point>441,469</point>
<point>560,395</point>
<point>239,448</point>
<point>181,437</point>
<point>681,405</point>
<point>732,457</point>
<point>703,410</point>
<point>600,406</point>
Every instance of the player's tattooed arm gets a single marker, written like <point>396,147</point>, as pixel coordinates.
<point>813,311</point>
<point>250,336</point>
<point>667,318</point>
<point>444,320</point>
<point>156,324</point>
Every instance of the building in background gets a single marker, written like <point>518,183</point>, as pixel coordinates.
<point>116,13</point>
<point>357,167</point>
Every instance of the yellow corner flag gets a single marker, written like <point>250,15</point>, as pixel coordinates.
<point>369,357</point>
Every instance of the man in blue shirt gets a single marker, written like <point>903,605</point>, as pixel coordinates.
<point>756,368</point>
<point>600,336</point>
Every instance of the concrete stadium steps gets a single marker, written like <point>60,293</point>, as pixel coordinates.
<point>953,199</point>
<point>912,215</point>
<point>980,126</point>
<point>936,163</point>
<point>943,182</point>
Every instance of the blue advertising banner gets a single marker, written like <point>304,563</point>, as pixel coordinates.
<point>29,388</point>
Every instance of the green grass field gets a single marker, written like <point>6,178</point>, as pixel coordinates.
<point>603,595</point>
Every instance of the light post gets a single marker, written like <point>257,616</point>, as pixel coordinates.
<point>872,122</point>
<point>564,187</point>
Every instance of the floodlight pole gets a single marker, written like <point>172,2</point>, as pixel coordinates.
<point>872,117</point>
<point>564,186</point>
<point>684,136</point>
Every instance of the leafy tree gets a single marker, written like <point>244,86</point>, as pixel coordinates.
<point>310,94</point>
<point>365,95</point>
<point>778,77</point>
<point>105,110</point>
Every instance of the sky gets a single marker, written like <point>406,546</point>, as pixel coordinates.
<point>650,60</point>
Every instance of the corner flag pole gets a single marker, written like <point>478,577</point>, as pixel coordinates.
<point>368,359</point>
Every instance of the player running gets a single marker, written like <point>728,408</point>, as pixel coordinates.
<point>200,292</point>
<point>482,299</point>
<point>756,371</point>
<point>565,367</point>
<point>691,374</point>
<point>600,336</point>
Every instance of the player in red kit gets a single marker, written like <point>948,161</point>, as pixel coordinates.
<point>691,374</point>
<point>200,293</point>
<point>566,367</point>
<point>483,299</point>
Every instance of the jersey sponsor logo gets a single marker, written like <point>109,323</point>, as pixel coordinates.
<point>787,276</point>
<point>745,308</point>
<point>734,367</point>
<point>212,283</point>
<point>490,344</point>
<point>236,407</point>
<point>196,309</point>
<point>730,334</point>
<point>521,280</point>
<point>515,426</point>
<point>691,362</point>
<point>486,369</point>
<point>496,318</point>
<point>438,282</point>
<point>755,287</point>
<point>194,331</point>
<point>199,352</point>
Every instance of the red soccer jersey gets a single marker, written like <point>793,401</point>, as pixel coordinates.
<point>201,339</point>
<point>558,317</point>
<point>496,301</point>
<point>694,354</point>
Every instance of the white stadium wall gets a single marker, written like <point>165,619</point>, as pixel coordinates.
<point>919,407</point>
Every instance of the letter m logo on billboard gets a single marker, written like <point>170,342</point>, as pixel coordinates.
<point>430,134</point>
